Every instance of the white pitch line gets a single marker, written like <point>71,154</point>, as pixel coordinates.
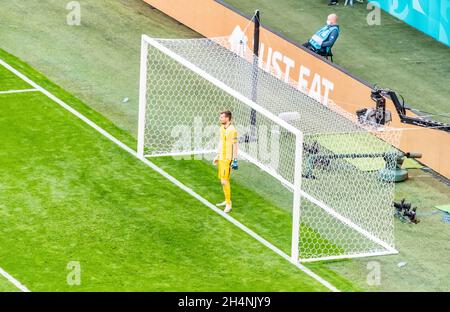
<point>18,91</point>
<point>13,281</point>
<point>169,177</point>
<point>238,224</point>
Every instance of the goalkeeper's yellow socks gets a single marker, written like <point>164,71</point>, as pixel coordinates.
<point>227,193</point>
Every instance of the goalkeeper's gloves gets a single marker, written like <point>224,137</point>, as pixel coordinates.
<point>234,164</point>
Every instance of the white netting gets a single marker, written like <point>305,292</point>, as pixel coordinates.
<point>346,199</point>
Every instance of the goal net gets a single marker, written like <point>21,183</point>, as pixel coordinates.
<point>324,179</point>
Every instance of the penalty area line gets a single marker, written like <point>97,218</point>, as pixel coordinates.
<point>18,91</point>
<point>173,180</point>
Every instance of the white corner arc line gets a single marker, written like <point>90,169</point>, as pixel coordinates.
<point>13,281</point>
<point>304,269</point>
<point>18,91</point>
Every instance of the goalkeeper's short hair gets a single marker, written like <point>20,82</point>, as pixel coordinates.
<point>227,113</point>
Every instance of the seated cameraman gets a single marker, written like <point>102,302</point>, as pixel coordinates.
<point>324,39</point>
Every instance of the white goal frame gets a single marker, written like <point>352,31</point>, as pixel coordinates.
<point>298,193</point>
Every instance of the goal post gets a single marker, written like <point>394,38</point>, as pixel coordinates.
<point>338,206</point>
<point>142,95</point>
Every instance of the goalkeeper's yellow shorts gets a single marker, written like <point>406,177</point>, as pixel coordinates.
<point>224,169</point>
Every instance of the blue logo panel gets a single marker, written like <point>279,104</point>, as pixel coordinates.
<point>430,16</point>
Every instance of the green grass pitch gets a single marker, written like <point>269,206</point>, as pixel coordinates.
<point>69,194</point>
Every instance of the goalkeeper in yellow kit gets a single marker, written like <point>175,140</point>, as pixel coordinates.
<point>226,158</point>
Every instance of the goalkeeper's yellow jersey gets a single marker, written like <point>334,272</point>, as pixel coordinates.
<point>228,136</point>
